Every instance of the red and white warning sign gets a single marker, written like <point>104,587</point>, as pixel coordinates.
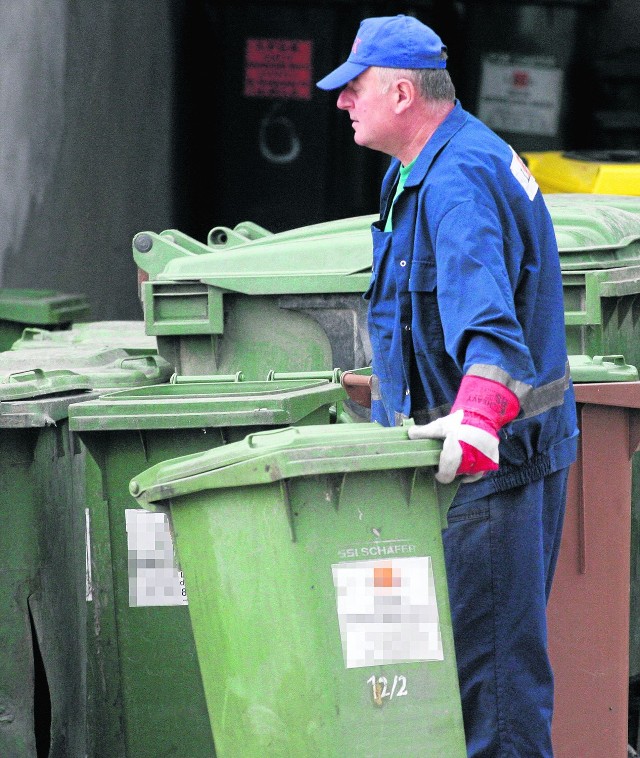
<point>278,68</point>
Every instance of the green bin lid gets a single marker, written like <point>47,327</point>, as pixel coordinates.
<point>309,260</point>
<point>41,306</point>
<point>281,454</point>
<point>592,231</point>
<point>93,334</point>
<point>595,231</point>
<point>38,412</point>
<point>247,231</point>
<point>99,368</point>
<point>202,404</point>
<point>36,383</point>
<point>607,368</point>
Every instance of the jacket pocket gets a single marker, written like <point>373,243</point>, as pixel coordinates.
<point>426,326</point>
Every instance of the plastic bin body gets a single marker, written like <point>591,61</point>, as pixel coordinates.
<point>588,613</point>
<point>40,588</point>
<point>20,308</point>
<point>148,697</point>
<point>43,578</point>
<point>614,172</point>
<point>298,547</point>
<point>43,582</point>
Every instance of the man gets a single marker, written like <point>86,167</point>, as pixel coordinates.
<point>466,322</point>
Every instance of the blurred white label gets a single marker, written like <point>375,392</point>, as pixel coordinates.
<point>387,611</point>
<point>87,547</point>
<point>520,95</point>
<point>154,575</point>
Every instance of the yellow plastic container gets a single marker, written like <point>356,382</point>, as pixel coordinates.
<point>600,172</point>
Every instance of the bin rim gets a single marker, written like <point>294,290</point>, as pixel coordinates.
<point>601,368</point>
<point>98,367</point>
<point>201,405</point>
<point>283,454</point>
<point>39,412</point>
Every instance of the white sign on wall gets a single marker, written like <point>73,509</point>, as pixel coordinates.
<point>520,94</point>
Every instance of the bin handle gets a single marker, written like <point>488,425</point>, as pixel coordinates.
<point>26,376</point>
<point>207,378</point>
<point>31,332</point>
<point>222,236</point>
<point>150,360</point>
<point>358,387</point>
<point>282,437</point>
<point>332,376</point>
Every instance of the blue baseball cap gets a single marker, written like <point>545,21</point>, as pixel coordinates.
<point>390,41</point>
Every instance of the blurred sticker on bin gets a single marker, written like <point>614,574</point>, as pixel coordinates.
<point>154,575</point>
<point>87,543</point>
<point>387,611</point>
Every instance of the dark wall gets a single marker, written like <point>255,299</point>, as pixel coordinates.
<point>87,143</point>
<point>126,115</point>
<point>278,160</point>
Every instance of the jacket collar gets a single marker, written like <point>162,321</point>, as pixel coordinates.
<point>452,123</point>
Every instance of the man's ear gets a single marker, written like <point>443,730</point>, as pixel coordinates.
<point>405,93</point>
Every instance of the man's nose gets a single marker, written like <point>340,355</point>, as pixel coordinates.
<point>343,102</point>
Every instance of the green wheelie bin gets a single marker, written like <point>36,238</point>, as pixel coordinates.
<point>20,308</point>
<point>147,698</point>
<point>42,542</point>
<point>289,302</point>
<point>318,599</point>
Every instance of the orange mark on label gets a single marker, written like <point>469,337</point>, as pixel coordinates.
<point>384,577</point>
<point>521,79</point>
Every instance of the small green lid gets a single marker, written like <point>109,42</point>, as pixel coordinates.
<point>35,382</point>
<point>99,368</point>
<point>601,368</point>
<point>92,334</point>
<point>41,306</point>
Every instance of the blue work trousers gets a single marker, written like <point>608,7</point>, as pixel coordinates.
<point>501,552</point>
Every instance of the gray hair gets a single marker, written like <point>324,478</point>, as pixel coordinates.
<point>431,83</point>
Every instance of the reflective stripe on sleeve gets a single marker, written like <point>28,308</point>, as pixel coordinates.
<point>533,401</point>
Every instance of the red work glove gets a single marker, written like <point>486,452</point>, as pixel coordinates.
<point>470,431</point>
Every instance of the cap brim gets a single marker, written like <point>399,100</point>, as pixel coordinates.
<point>342,75</point>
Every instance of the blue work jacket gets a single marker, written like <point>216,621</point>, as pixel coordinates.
<point>468,282</point>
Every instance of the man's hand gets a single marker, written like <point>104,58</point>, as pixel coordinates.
<point>470,431</point>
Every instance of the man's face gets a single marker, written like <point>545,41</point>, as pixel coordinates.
<point>371,111</point>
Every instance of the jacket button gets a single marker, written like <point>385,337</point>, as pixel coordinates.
<point>407,328</point>
<point>407,392</point>
<point>403,263</point>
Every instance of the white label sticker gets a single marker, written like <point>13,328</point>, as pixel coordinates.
<point>154,574</point>
<point>523,175</point>
<point>387,611</point>
<point>87,547</point>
